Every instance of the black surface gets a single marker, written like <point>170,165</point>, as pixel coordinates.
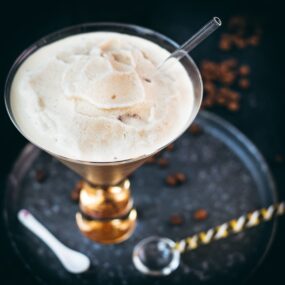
<point>225,175</point>
<point>262,114</point>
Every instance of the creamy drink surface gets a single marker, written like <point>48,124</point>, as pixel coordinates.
<point>91,97</point>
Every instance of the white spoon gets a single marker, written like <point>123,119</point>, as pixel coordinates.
<point>73,261</point>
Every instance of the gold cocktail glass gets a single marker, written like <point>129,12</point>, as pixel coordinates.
<point>107,214</point>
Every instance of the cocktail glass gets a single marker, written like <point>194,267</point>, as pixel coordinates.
<point>107,214</point>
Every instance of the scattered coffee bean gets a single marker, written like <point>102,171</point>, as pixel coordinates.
<point>163,162</point>
<point>228,96</point>
<point>177,178</point>
<point>221,77</point>
<point>151,160</point>
<point>171,180</point>
<point>209,70</point>
<point>228,78</point>
<point>243,83</point>
<point>244,70</point>
<point>208,102</point>
<point>233,106</point>
<point>230,63</point>
<point>218,91</point>
<point>254,40</point>
<point>40,175</point>
<point>180,177</point>
<point>239,42</point>
<point>225,43</point>
<point>170,147</point>
<point>234,96</point>
<point>240,34</point>
<point>209,88</point>
<point>221,100</point>
<point>147,80</point>
<point>224,92</point>
<point>195,129</point>
<point>237,23</point>
<point>200,215</point>
<point>176,220</point>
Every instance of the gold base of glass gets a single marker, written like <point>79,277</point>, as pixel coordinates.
<point>109,231</point>
<point>107,212</point>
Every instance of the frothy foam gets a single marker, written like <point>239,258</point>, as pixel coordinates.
<point>90,97</point>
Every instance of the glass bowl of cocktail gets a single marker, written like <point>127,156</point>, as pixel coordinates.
<point>91,96</point>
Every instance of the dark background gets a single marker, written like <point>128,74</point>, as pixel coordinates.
<point>262,112</point>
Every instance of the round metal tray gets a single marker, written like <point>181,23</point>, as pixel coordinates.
<point>226,176</point>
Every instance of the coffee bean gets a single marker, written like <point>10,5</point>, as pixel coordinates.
<point>237,23</point>
<point>225,43</point>
<point>242,33</point>
<point>243,83</point>
<point>209,70</point>
<point>163,162</point>
<point>254,40</point>
<point>200,215</point>
<point>230,63</point>
<point>180,177</point>
<point>228,78</point>
<point>244,70</point>
<point>171,180</point>
<point>176,220</point>
<point>224,92</point>
<point>221,100</point>
<point>195,129</point>
<point>40,176</point>
<point>209,88</point>
<point>234,96</point>
<point>218,88</point>
<point>176,179</point>
<point>170,147</point>
<point>239,42</point>
<point>233,106</point>
<point>208,102</point>
<point>151,160</point>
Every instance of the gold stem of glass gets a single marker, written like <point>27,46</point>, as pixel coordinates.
<point>107,214</point>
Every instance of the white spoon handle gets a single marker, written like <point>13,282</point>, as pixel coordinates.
<point>73,261</point>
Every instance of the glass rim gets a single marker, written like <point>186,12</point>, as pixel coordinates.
<point>72,30</point>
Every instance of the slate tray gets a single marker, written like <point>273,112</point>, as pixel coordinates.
<point>226,175</point>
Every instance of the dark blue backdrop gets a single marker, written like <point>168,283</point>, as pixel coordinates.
<point>23,22</point>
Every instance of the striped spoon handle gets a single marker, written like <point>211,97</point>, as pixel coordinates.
<point>234,226</point>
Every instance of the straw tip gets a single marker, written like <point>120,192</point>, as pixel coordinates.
<point>217,21</point>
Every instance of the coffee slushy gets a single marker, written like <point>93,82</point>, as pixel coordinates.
<point>98,97</point>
